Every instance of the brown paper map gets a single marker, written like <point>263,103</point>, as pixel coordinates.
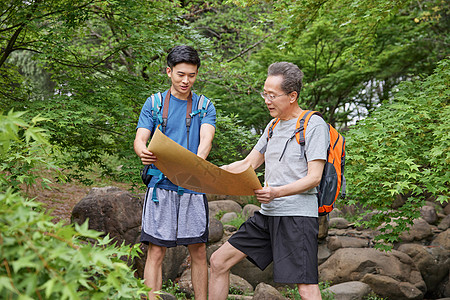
<point>190,171</point>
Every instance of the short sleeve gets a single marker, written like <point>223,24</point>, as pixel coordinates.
<point>261,145</point>
<point>145,118</point>
<point>210,117</point>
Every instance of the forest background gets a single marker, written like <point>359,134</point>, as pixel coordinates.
<point>75,74</point>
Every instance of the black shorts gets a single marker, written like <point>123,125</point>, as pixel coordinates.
<point>290,242</point>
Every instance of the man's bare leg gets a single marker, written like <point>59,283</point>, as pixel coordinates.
<point>309,291</point>
<point>221,262</point>
<point>153,269</point>
<point>199,270</point>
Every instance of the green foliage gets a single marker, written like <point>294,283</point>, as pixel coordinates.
<point>40,259</point>
<point>237,222</point>
<point>88,66</point>
<point>232,141</point>
<point>402,149</point>
<point>104,58</point>
<point>373,296</point>
<point>43,260</point>
<point>173,288</point>
<point>24,149</point>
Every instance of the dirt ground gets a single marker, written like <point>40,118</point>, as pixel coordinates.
<point>61,198</point>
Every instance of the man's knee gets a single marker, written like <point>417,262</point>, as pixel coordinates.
<point>155,253</point>
<point>197,251</point>
<point>217,263</point>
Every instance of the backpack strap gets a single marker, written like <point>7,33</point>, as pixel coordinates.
<point>302,122</point>
<point>188,117</point>
<point>299,128</point>
<point>203,103</point>
<point>271,127</point>
<point>161,177</point>
<point>165,111</point>
<point>156,110</point>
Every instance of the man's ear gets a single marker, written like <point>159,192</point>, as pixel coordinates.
<point>169,71</point>
<point>293,97</point>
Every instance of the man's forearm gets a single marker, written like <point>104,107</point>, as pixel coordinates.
<point>204,149</point>
<point>311,180</point>
<point>237,166</point>
<point>207,132</point>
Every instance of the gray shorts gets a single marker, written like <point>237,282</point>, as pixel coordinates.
<point>174,220</point>
<point>289,241</point>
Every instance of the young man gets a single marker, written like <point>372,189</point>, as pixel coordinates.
<point>285,230</point>
<point>177,216</point>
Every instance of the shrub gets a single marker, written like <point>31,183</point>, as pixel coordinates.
<point>23,150</point>
<point>402,150</point>
<point>43,260</point>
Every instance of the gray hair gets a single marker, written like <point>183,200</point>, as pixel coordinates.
<point>292,76</point>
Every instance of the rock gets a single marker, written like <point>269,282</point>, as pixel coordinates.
<point>335,213</point>
<point>241,200</point>
<point>350,209</point>
<point>185,283</point>
<point>215,230</point>
<point>419,231</point>
<point>447,209</point>
<point>249,210</point>
<point>223,205</point>
<point>366,217</point>
<point>111,210</point>
<point>433,265</point>
<point>239,297</point>
<point>252,273</point>
<point>353,264</point>
<point>227,217</point>
<point>323,227</point>
<point>264,291</point>
<point>445,223</point>
<point>444,288</point>
<point>386,286</point>
<point>240,284</point>
<point>336,242</point>
<point>236,283</point>
<point>339,223</point>
<point>229,228</point>
<point>399,201</point>
<point>428,213</point>
<point>166,296</point>
<point>173,262</point>
<point>323,253</point>
<point>443,240</point>
<point>352,290</point>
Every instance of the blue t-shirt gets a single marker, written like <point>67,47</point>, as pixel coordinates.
<point>176,127</point>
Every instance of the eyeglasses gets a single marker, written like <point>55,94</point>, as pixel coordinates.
<point>271,97</point>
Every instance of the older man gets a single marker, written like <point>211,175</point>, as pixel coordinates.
<point>285,230</point>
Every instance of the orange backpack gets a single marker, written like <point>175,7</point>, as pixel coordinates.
<point>333,180</point>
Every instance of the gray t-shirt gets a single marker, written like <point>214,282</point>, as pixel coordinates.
<point>292,165</point>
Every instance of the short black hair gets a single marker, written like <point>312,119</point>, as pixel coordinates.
<point>183,54</point>
<point>292,76</point>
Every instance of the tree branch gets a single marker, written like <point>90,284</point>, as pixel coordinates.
<point>10,47</point>
<point>255,44</point>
